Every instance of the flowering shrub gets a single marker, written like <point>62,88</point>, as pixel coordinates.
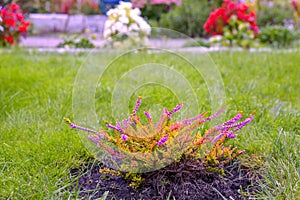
<point>234,21</point>
<point>13,24</point>
<point>126,26</point>
<point>168,139</point>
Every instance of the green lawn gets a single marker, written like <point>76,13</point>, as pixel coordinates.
<point>37,149</point>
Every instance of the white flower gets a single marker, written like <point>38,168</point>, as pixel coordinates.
<point>124,20</point>
<point>135,11</point>
<point>133,27</point>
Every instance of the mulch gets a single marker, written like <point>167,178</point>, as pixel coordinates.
<point>183,181</point>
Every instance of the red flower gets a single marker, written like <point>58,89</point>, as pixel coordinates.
<point>15,7</point>
<point>10,22</point>
<point>9,39</point>
<point>20,17</point>
<point>22,29</point>
<point>219,18</point>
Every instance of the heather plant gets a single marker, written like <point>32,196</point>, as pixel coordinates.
<point>149,146</point>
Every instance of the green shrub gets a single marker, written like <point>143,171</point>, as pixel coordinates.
<point>274,15</point>
<point>188,18</point>
<point>277,36</point>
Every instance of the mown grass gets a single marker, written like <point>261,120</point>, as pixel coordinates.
<point>37,149</point>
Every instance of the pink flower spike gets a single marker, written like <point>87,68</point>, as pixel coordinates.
<point>243,123</point>
<point>190,120</point>
<point>148,115</point>
<point>218,137</point>
<point>118,125</point>
<point>137,105</point>
<point>125,122</point>
<point>165,111</point>
<point>213,116</point>
<point>177,108</point>
<point>100,135</point>
<point>234,119</point>
<point>231,135</point>
<point>95,139</point>
<point>115,128</point>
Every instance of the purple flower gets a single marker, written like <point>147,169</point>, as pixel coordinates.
<point>178,107</point>
<point>213,116</point>
<point>72,125</point>
<point>94,138</point>
<point>148,115</point>
<point>115,128</point>
<point>137,105</point>
<point>125,122</point>
<point>190,120</point>
<point>124,137</point>
<point>162,141</point>
<point>218,137</point>
<point>165,111</point>
<point>234,119</point>
<point>243,123</point>
<point>231,135</point>
<point>100,135</point>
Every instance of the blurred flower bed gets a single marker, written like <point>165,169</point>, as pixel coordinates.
<point>243,23</point>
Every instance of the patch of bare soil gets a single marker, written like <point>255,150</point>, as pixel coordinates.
<point>181,180</point>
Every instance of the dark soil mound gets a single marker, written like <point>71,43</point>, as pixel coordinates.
<point>186,182</point>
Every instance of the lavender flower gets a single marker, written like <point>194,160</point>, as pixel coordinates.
<point>190,120</point>
<point>125,122</point>
<point>234,119</point>
<point>124,137</point>
<point>178,107</point>
<point>137,105</point>
<point>118,125</point>
<point>243,123</point>
<point>95,139</point>
<point>231,135</point>
<point>148,115</point>
<point>165,111</point>
<point>100,135</point>
<point>218,137</point>
<point>213,116</point>
<point>115,128</point>
<point>162,141</point>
